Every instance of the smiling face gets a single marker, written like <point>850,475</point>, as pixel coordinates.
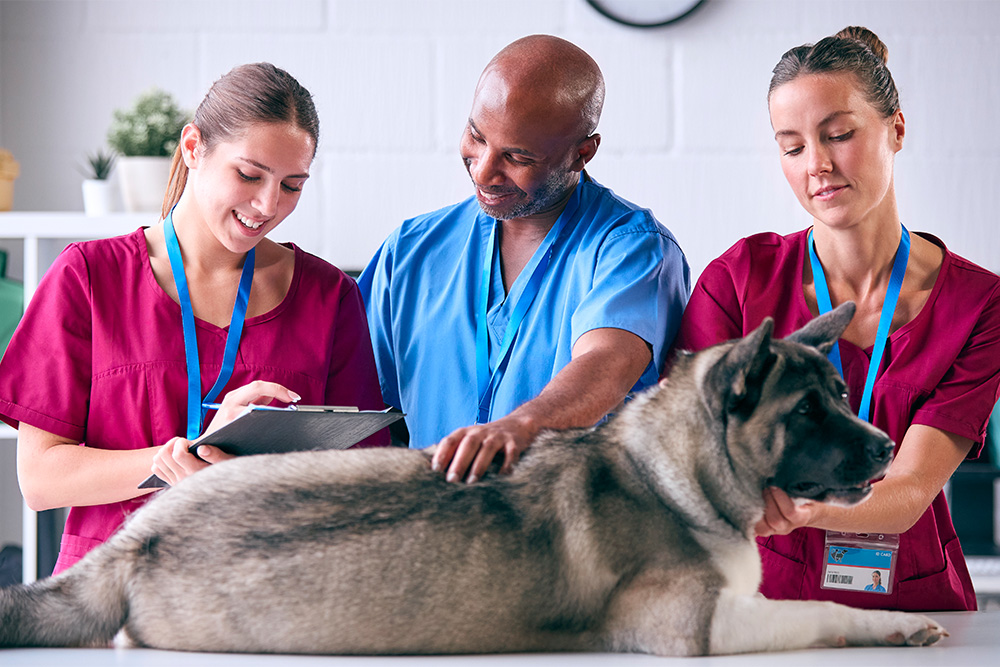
<point>523,153</point>
<point>837,150</point>
<point>243,188</point>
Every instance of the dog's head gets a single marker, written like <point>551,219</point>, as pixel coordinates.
<point>786,416</point>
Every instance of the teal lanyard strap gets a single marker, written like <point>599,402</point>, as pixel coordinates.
<point>487,379</point>
<point>195,412</point>
<point>885,319</point>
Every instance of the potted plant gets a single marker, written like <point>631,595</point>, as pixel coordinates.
<point>145,136</point>
<point>100,196</point>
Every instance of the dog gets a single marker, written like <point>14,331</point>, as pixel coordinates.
<point>634,536</point>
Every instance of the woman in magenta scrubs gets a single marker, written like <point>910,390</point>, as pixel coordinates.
<point>125,337</point>
<point>835,112</point>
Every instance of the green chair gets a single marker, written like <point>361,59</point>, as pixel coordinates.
<point>993,437</point>
<point>11,304</point>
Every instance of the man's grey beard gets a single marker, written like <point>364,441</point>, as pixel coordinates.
<point>552,190</point>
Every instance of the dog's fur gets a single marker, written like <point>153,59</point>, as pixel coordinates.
<point>634,536</point>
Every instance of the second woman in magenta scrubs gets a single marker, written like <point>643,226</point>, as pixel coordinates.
<point>838,125</point>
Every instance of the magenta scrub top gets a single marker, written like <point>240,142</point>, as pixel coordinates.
<point>942,369</point>
<point>99,358</point>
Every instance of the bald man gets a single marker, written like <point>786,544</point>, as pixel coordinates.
<point>539,302</point>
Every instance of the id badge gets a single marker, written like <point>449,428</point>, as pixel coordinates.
<point>862,562</point>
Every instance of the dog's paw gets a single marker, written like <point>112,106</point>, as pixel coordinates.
<point>916,630</point>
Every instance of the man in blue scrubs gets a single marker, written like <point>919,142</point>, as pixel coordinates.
<point>541,301</point>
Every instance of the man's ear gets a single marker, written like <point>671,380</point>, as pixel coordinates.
<point>586,150</point>
<point>191,145</point>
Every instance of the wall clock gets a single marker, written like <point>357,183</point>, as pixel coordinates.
<point>645,13</point>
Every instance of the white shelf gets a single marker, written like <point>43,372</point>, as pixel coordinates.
<point>70,224</point>
<point>43,235</point>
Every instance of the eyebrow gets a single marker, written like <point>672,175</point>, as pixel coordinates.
<point>264,167</point>
<point>829,119</point>
<point>511,149</point>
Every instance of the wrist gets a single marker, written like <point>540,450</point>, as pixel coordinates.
<point>818,515</point>
<point>525,422</point>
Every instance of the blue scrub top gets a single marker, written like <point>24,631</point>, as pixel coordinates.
<point>613,265</point>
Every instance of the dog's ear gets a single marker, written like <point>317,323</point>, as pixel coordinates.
<point>823,331</point>
<point>739,376</point>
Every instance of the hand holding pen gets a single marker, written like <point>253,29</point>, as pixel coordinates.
<point>173,462</point>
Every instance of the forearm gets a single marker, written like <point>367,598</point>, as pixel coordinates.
<point>606,363</point>
<point>589,387</point>
<point>56,473</point>
<point>893,506</point>
<point>927,458</point>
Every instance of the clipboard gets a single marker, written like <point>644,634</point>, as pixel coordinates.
<point>263,429</point>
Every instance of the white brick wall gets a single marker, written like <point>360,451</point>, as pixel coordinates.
<point>685,129</point>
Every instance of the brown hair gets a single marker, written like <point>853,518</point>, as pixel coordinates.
<point>247,94</point>
<point>854,49</point>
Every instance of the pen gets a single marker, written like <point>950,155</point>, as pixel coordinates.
<point>216,406</point>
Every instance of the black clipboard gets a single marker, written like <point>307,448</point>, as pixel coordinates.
<point>263,429</point>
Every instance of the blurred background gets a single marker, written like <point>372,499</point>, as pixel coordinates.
<point>685,127</point>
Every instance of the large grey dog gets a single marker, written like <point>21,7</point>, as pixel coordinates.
<point>634,536</point>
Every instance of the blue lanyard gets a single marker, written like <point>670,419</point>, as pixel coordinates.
<point>195,412</point>
<point>885,319</point>
<point>487,379</point>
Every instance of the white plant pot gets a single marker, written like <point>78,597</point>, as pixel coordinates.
<point>101,197</point>
<point>143,182</point>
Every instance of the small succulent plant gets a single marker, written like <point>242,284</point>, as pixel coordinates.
<point>99,165</point>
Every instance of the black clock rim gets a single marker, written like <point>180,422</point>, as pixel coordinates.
<point>600,9</point>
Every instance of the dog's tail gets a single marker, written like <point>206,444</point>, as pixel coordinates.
<point>84,606</point>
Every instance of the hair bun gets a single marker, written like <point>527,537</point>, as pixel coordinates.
<point>868,38</point>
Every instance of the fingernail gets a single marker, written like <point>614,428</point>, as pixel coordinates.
<point>452,477</point>
<point>435,466</point>
<point>295,397</point>
<point>472,479</point>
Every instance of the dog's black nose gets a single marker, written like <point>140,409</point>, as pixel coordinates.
<point>880,450</point>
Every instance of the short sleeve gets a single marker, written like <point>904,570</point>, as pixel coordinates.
<point>963,400</point>
<point>374,284</point>
<point>714,314</point>
<point>641,284</point>
<point>45,374</point>
<point>353,378</point>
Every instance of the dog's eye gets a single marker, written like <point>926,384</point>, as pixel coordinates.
<point>844,397</point>
<point>806,406</point>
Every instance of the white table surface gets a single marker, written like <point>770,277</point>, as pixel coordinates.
<point>974,641</point>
